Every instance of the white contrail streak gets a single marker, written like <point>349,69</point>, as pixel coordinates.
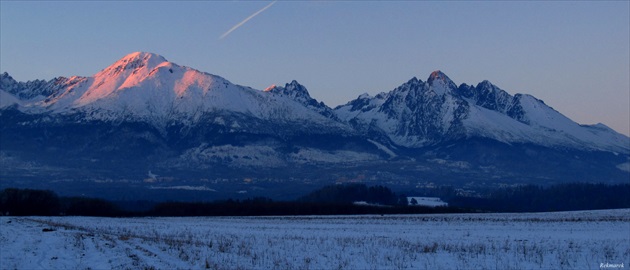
<point>246,19</point>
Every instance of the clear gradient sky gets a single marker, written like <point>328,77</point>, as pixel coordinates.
<point>573,55</point>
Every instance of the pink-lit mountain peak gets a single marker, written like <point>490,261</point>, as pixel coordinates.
<point>439,76</point>
<point>127,72</point>
<point>134,61</point>
<point>440,83</point>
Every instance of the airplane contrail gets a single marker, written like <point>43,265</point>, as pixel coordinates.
<point>246,19</point>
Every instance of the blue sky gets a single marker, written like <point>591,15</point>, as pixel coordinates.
<point>573,55</point>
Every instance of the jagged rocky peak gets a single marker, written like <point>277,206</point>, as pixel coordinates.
<point>487,88</point>
<point>5,75</point>
<point>411,85</point>
<point>439,76</point>
<point>437,85</point>
<point>440,83</point>
<point>10,85</point>
<point>7,83</point>
<point>296,88</point>
<point>483,88</point>
<point>32,89</point>
<point>414,80</point>
<point>489,96</point>
<point>466,90</point>
<point>485,84</point>
<point>292,89</point>
<point>299,93</point>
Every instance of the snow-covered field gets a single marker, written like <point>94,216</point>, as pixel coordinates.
<point>571,240</point>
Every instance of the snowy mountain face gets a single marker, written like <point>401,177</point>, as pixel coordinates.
<point>35,90</point>
<point>146,87</point>
<point>415,114</point>
<point>143,106</point>
<point>488,96</point>
<point>298,92</point>
<point>418,114</point>
<point>146,112</point>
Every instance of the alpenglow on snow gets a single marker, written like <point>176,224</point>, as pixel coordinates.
<point>146,87</point>
<point>151,127</point>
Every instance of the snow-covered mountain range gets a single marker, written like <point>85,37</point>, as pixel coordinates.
<point>177,116</point>
<point>146,87</point>
<point>418,114</point>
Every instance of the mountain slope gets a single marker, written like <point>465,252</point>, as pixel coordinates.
<point>147,109</point>
<point>298,92</point>
<point>144,113</point>
<point>146,87</point>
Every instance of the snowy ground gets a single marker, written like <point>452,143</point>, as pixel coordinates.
<point>572,240</point>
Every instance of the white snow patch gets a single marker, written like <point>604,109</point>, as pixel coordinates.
<point>547,127</point>
<point>624,166</point>
<point>427,201</point>
<point>384,149</point>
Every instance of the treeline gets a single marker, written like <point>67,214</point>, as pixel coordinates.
<point>330,200</point>
<point>563,197</point>
<point>351,193</point>
<point>266,207</point>
<point>31,202</point>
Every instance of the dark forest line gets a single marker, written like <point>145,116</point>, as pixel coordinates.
<point>329,200</point>
<point>562,197</point>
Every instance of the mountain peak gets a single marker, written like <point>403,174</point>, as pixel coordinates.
<point>413,80</point>
<point>124,73</point>
<point>440,83</point>
<point>292,89</point>
<point>142,55</point>
<point>487,87</point>
<point>295,84</point>
<point>6,81</point>
<point>484,83</point>
<point>299,93</point>
<point>135,60</point>
<point>437,75</point>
